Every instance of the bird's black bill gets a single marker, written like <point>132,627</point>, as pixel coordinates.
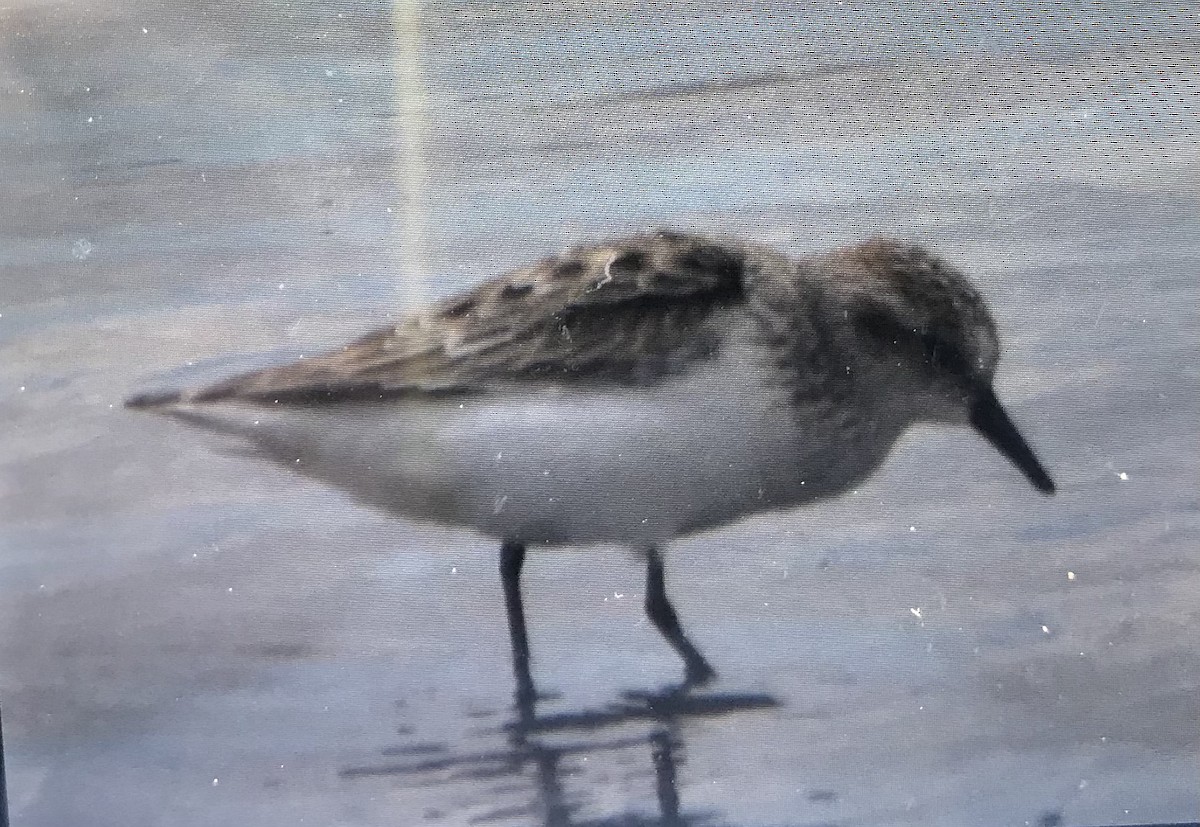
<point>990,419</point>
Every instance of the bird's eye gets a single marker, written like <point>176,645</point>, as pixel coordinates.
<point>936,350</point>
<point>881,326</point>
<point>943,355</point>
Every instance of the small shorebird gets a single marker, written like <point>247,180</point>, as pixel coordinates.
<point>634,391</point>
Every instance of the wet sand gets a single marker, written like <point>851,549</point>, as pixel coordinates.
<point>190,638</point>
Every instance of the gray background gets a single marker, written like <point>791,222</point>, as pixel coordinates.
<point>188,638</point>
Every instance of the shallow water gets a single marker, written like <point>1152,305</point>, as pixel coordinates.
<point>189,638</point>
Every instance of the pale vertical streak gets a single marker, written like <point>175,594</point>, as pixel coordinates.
<point>411,114</point>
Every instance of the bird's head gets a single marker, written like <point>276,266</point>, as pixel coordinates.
<point>927,333</point>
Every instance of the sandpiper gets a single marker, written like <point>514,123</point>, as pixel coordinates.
<point>633,391</point>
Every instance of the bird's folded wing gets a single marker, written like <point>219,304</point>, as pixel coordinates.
<point>629,312</point>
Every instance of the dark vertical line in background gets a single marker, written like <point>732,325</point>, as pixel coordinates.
<point>3,786</point>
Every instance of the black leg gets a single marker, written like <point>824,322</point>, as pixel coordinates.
<point>662,615</point>
<point>512,556</point>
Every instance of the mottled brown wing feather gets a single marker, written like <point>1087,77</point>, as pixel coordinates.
<point>629,312</point>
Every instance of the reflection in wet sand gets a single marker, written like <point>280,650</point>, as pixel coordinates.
<point>532,751</point>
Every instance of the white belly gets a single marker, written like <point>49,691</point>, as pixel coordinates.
<point>636,466</point>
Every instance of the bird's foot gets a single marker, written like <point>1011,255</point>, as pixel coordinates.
<point>698,673</point>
